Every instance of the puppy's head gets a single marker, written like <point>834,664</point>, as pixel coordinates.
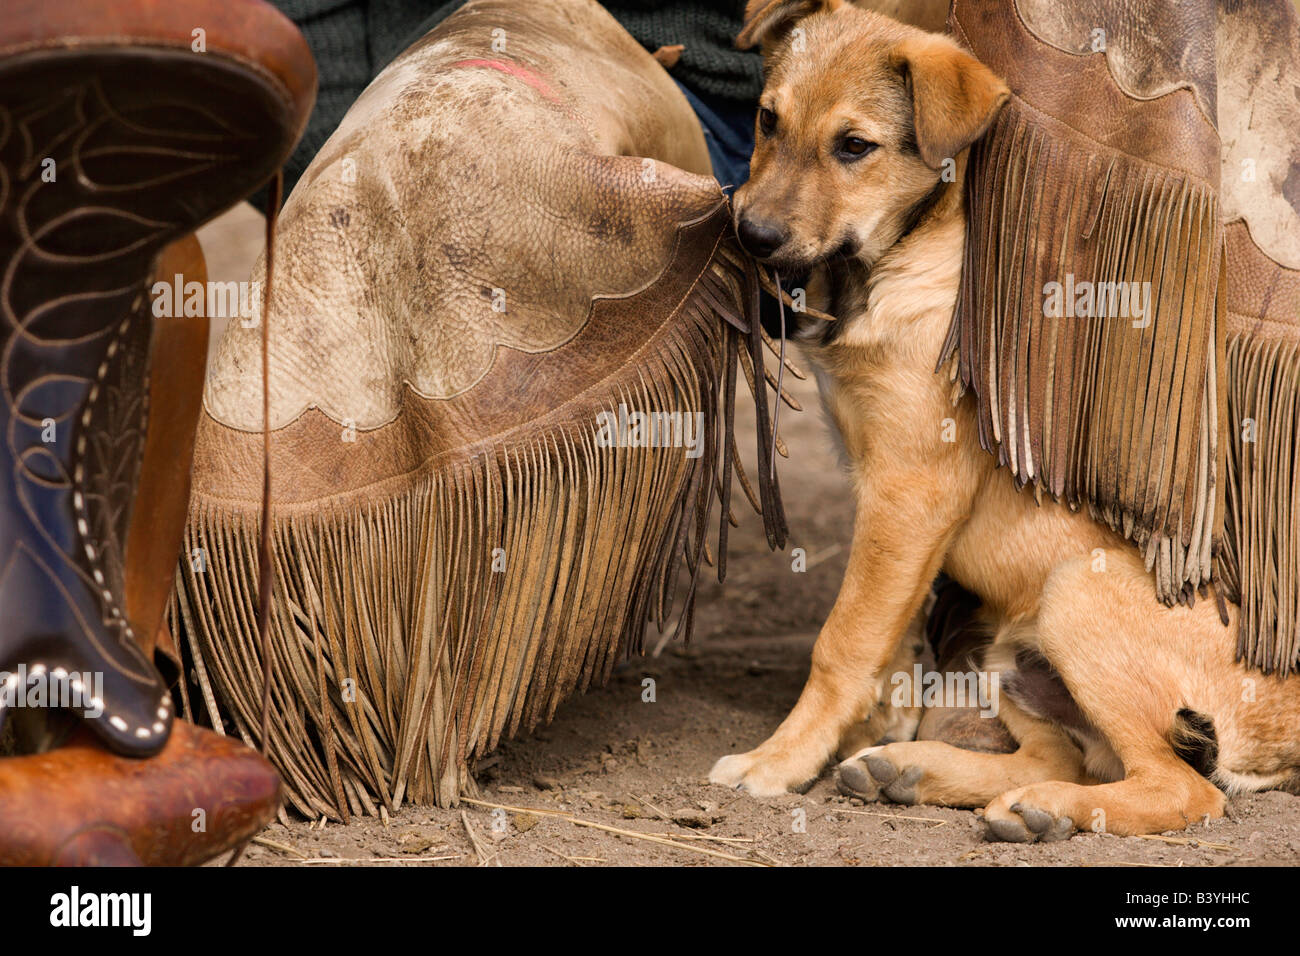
<point>859,119</point>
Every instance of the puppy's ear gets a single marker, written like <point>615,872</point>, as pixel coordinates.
<point>768,21</point>
<point>955,97</point>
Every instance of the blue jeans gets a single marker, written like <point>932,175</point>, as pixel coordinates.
<point>729,133</point>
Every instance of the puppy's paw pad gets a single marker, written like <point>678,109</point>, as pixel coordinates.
<point>871,776</point>
<point>854,780</point>
<point>1020,823</point>
<point>903,789</point>
<point>1008,830</point>
<point>881,769</point>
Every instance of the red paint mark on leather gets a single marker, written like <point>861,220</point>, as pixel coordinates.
<point>512,69</point>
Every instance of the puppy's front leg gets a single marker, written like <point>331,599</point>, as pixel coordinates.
<point>897,549</point>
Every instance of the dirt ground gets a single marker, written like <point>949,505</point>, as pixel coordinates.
<point>610,762</point>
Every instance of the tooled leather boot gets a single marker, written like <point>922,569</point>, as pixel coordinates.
<point>124,124</point>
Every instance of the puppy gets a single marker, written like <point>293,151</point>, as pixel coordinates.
<point>1130,717</point>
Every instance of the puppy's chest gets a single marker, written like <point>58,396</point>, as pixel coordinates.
<point>875,365</point>
<point>839,291</point>
<point>880,403</point>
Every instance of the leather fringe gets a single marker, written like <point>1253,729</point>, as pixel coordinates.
<point>1260,565</point>
<point>410,635</point>
<point>1098,413</point>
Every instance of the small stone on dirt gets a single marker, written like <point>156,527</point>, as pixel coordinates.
<point>418,845</point>
<point>545,782</point>
<point>695,819</point>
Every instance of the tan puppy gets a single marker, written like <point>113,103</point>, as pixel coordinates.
<point>1122,708</point>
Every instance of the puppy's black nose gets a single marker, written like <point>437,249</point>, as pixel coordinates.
<point>760,239</point>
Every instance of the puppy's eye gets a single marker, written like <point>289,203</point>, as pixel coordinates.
<point>766,121</point>
<point>854,148</point>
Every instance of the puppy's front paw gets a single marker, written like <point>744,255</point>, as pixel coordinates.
<point>764,774</point>
<point>871,775</point>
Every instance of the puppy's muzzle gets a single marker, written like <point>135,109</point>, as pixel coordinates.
<point>760,238</point>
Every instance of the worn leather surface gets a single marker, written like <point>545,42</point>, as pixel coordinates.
<point>458,548</point>
<point>148,139</point>
<point>1259,115</point>
<point>153,537</point>
<point>1258,55</point>
<point>1152,47</point>
<point>518,394</point>
<point>929,15</point>
<point>81,805</point>
<point>1263,296</point>
<point>1187,116</point>
<point>249,33</point>
<point>1079,179</point>
<point>422,211</point>
<point>1172,131</point>
<point>1237,62</point>
<point>1237,59</point>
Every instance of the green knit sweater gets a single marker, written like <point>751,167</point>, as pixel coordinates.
<point>353,40</point>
